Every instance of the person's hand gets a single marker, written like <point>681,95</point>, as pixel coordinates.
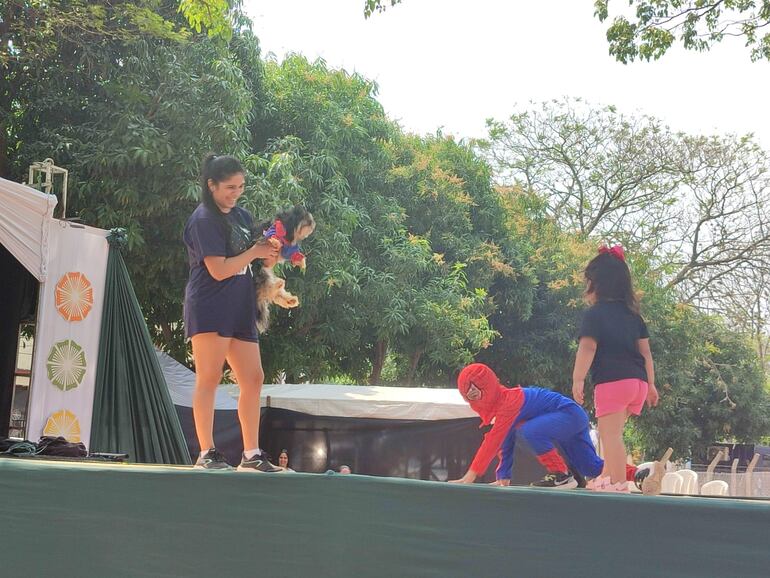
<point>270,261</point>
<point>577,391</point>
<point>652,396</point>
<point>468,478</point>
<point>266,249</point>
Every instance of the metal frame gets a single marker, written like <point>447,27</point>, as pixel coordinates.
<point>48,171</point>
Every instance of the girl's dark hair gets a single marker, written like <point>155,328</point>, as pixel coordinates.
<point>218,169</point>
<point>610,280</point>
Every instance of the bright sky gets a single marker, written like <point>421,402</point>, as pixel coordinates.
<point>454,63</point>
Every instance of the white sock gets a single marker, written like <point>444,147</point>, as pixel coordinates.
<point>251,453</point>
<point>204,452</point>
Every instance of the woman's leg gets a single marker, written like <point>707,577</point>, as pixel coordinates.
<point>611,434</point>
<point>209,351</point>
<point>245,361</point>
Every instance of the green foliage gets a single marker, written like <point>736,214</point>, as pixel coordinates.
<point>380,279</point>
<point>655,25</point>
<point>213,16</point>
<point>537,315</point>
<point>711,383</point>
<point>372,6</point>
<point>131,118</point>
<point>420,263</point>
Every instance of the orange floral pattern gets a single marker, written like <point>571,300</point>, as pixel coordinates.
<point>74,296</point>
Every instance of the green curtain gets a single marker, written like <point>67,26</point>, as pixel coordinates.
<point>133,412</point>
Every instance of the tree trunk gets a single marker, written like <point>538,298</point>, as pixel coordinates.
<point>378,361</point>
<point>168,334</point>
<point>414,359</point>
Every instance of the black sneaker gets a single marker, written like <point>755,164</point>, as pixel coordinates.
<point>258,463</point>
<point>581,481</point>
<point>212,460</point>
<point>557,481</point>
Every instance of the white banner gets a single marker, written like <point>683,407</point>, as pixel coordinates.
<point>67,333</point>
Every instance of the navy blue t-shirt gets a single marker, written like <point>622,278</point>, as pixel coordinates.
<point>227,307</point>
<point>617,331</point>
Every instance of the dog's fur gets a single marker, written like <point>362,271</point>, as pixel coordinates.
<point>299,224</point>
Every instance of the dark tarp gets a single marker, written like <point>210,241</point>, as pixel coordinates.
<point>133,412</point>
<point>115,521</point>
<point>418,449</point>
<point>18,302</point>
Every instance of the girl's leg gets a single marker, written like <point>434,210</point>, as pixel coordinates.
<point>611,434</point>
<point>244,358</point>
<point>209,351</point>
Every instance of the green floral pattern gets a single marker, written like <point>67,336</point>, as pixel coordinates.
<point>66,364</point>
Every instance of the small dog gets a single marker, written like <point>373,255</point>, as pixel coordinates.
<point>289,228</point>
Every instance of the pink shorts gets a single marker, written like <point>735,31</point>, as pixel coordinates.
<point>625,394</point>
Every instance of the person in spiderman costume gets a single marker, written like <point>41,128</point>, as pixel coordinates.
<point>541,416</point>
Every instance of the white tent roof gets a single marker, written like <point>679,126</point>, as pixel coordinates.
<point>412,403</point>
<point>25,214</point>
<point>368,401</point>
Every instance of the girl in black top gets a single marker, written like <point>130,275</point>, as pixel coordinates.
<point>615,345</point>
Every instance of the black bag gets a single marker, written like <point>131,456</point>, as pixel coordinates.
<point>58,446</point>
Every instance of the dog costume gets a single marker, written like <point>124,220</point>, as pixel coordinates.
<point>289,251</point>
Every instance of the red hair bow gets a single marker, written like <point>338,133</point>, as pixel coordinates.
<point>616,251</point>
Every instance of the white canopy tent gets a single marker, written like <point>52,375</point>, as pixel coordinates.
<point>24,225</point>
<point>69,260</point>
<point>355,401</point>
<point>87,385</point>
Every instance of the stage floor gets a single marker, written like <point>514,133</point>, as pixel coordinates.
<point>106,520</point>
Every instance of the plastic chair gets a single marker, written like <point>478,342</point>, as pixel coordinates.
<point>645,465</point>
<point>690,481</point>
<point>715,488</point>
<point>671,483</point>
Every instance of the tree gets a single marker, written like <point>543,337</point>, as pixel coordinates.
<point>58,48</point>
<point>537,326</point>
<point>376,283</point>
<point>712,386</point>
<point>130,107</point>
<point>724,213</point>
<point>602,172</point>
<point>215,17</point>
<point>743,299</point>
<point>372,6</point>
<point>699,205</point>
<point>656,25</point>
<point>693,212</point>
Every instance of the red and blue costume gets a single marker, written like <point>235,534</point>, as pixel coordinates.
<point>289,251</point>
<point>542,417</point>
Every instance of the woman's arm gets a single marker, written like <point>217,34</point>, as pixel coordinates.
<point>652,392</point>
<point>221,268</point>
<point>585,356</point>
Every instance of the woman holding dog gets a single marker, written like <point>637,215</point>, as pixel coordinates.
<point>220,310</point>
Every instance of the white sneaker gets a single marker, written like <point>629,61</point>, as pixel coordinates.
<point>598,483</point>
<point>619,488</point>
